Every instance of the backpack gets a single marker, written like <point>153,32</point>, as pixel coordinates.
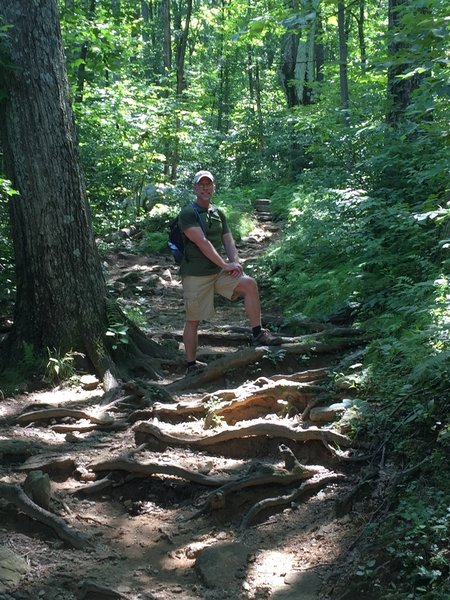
<point>176,238</point>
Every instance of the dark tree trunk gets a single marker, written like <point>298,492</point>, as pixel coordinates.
<point>224,77</point>
<point>181,50</point>
<point>298,67</point>
<point>361,35</point>
<point>61,290</point>
<point>60,287</point>
<point>399,89</point>
<point>343,72</point>
<point>287,69</point>
<point>81,73</point>
<point>167,39</point>
<point>180,83</point>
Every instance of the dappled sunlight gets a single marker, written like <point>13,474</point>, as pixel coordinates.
<point>270,568</point>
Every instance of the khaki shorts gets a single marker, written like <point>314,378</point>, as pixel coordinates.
<point>198,293</point>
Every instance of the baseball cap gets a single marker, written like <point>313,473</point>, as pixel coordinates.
<point>202,174</point>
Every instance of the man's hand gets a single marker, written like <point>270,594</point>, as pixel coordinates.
<point>234,269</point>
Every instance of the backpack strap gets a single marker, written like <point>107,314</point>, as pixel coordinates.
<point>197,214</point>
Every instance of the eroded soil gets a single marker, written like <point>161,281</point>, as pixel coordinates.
<point>144,541</point>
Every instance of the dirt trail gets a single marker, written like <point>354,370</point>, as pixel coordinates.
<point>161,537</point>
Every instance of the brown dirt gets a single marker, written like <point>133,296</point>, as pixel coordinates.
<point>143,543</point>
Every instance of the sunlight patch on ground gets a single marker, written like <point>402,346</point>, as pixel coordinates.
<point>59,396</point>
<point>270,568</point>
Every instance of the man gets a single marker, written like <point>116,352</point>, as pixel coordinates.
<point>204,272</point>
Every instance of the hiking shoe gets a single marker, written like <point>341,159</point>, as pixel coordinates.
<point>267,338</point>
<point>197,368</point>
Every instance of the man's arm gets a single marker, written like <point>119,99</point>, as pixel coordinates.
<point>196,235</point>
<point>230,247</point>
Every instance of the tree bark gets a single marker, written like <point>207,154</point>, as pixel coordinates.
<point>167,43</point>
<point>361,35</point>
<point>81,72</point>
<point>61,290</point>
<point>343,73</point>
<point>298,64</point>
<point>399,89</point>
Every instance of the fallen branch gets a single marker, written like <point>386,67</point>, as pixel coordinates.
<point>15,495</point>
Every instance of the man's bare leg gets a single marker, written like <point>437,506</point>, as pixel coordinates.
<point>190,339</point>
<point>248,288</point>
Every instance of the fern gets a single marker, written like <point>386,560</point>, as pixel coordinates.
<point>433,369</point>
<point>28,357</point>
<point>118,328</point>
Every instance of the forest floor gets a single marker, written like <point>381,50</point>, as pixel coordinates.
<point>153,533</point>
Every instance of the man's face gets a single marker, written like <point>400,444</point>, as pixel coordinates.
<point>204,189</point>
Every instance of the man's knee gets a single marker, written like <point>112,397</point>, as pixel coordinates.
<point>247,285</point>
<point>191,324</point>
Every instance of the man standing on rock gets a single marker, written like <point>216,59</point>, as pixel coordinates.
<point>205,273</point>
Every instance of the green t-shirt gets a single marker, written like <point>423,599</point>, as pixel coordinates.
<point>215,226</point>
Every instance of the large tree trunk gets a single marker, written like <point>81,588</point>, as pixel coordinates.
<point>61,290</point>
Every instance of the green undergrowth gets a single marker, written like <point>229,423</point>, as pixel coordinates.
<point>389,259</point>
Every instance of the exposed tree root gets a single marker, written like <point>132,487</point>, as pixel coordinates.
<point>145,469</point>
<point>147,432</point>
<point>260,474</point>
<point>100,418</point>
<point>308,344</point>
<point>19,448</point>
<point>15,495</point>
<point>249,401</point>
<point>308,487</point>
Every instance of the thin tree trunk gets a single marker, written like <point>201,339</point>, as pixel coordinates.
<point>361,35</point>
<point>167,38</point>
<point>399,89</point>
<point>166,68</point>
<point>149,42</point>
<point>319,52</point>
<point>180,86</point>
<point>81,72</point>
<point>343,74</point>
<point>181,49</point>
<point>259,111</point>
<point>223,93</point>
